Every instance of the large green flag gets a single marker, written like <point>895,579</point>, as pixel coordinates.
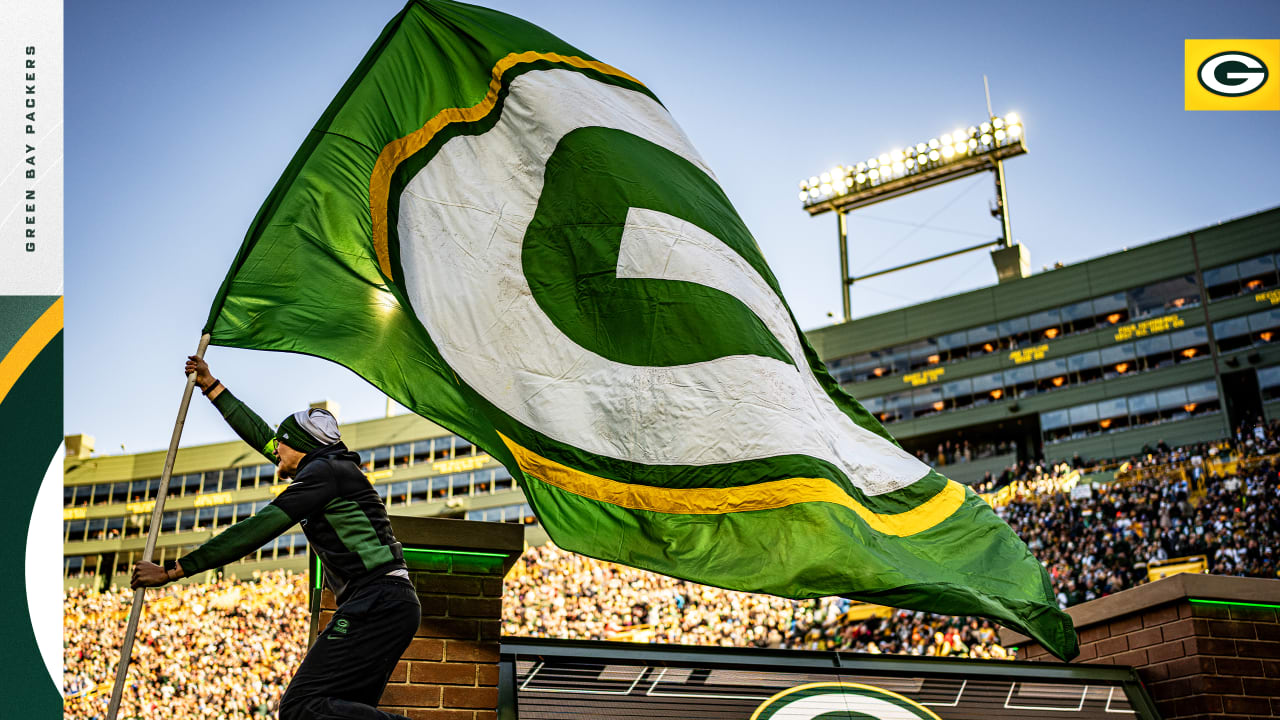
<point>517,241</point>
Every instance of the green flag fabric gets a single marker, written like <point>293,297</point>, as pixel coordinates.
<point>517,241</point>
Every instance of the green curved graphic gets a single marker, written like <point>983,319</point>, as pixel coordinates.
<point>594,177</point>
<point>34,405</point>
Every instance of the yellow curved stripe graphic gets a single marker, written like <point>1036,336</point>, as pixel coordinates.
<point>29,346</point>
<point>397,151</point>
<point>715,501</point>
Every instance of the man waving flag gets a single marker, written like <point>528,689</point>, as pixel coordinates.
<point>517,241</point>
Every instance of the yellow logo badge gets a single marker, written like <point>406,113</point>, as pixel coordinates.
<point>1231,74</point>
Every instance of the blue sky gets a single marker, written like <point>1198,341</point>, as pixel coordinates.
<point>180,117</point>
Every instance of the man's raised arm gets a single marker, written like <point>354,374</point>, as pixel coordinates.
<point>244,421</point>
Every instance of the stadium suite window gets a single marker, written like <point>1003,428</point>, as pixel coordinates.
<point>1143,409</point>
<point>1269,382</point>
<point>927,401</point>
<point>420,490</point>
<point>1153,352</point>
<point>73,530</point>
<point>421,451</point>
<point>1252,275</point>
<point>1164,297</point>
<point>502,480</point>
<point>1264,327</point>
<point>1020,381</point>
<point>1077,317</point>
<point>136,525</point>
<point>1084,420</point>
<point>1052,375</point>
<point>1113,415</point>
<point>1085,367</point>
<point>1111,309</point>
<point>1257,273</point>
<point>923,354</point>
<point>402,455</point>
<point>1118,360</point>
<point>958,393</point>
<point>1232,334</point>
<point>1013,333</point>
<point>459,484</point>
<point>399,494</point>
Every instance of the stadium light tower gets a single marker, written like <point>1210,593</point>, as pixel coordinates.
<point>950,156</point>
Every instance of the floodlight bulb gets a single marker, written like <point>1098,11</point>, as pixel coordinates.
<point>972,131</point>
<point>874,174</point>
<point>986,127</point>
<point>826,178</point>
<point>826,188</point>
<point>898,167</point>
<point>998,123</point>
<point>861,178</point>
<point>873,163</point>
<point>837,171</point>
<point>946,139</point>
<point>884,159</point>
<point>898,156</point>
<point>958,135</point>
<point>862,167</point>
<point>999,135</point>
<point>910,163</point>
<point>803,195</point>
<point>948,151</point>
<point>934,144</point>
<point>973,144</point>
<point>933,155</point>
<point>1011,118</point>
<point>1015,130</point>
<point>961,148</point>
<point>986,139</point>
<point>804,185</point>
<point>813,192</point>
<point>813,181</point>
<point>922,148</point>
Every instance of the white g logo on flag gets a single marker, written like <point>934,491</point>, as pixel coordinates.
<point>1232,74</point>
<point>464,230</point>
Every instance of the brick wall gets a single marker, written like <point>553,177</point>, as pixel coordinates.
<point>450,671</point>
<point>1196,660</point>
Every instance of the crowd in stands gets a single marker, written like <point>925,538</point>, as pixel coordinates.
<point>560,594</point>
<point>222,649</point>
<point>227,649</point>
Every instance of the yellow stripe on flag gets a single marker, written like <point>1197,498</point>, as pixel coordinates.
<point>397,151</point>
<point>769,495</point>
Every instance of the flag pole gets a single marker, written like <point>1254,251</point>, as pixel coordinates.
<point>153,533</point>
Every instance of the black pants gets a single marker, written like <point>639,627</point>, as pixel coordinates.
<point>347,668</point>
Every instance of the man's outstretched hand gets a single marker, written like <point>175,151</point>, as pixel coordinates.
<point>148,574</point>
<point>198,366</point>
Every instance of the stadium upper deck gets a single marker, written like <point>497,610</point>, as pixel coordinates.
<point>1098,358</point>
